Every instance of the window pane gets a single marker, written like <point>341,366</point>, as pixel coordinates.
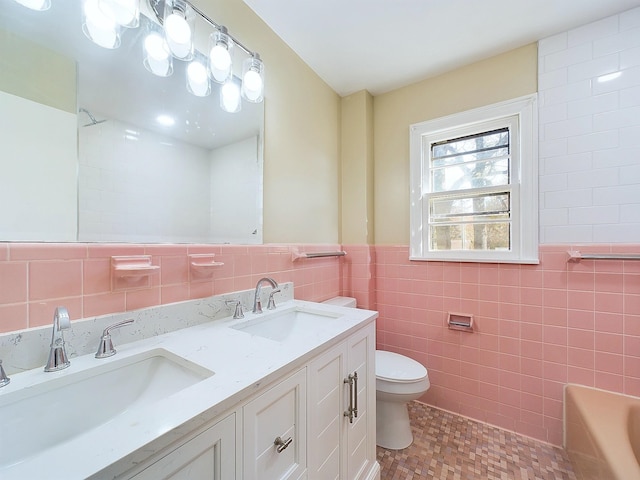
<point>476,174</point>
<point>474,221</point>
<point>469,157</point>
<point>494,206</point>
<point>478,143</point>
<point>471,236</point>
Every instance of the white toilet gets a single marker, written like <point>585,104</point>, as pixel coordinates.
<point>399,379</point>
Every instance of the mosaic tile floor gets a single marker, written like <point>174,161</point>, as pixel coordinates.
<point>451,447</point>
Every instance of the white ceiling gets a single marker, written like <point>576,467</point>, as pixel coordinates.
<point>381,45</point>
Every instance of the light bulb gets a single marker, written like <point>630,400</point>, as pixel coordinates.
<point>39,5</point>
<point>252,82</point>
<point>155,46</point>
<point>123,12</point>
<point>220,60</point>
<point>98,27</point>
<point>156,55</point>
<point>230,97</point>
<point>177,29</point>
<point>253,79</point>
<point>220,55</point>
<point>197,79</point>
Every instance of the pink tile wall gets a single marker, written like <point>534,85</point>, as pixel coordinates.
<point>538,327</point>
<point>36,277</point>
<point>358,275</point>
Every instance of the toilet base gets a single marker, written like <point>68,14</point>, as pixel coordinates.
<point>393,430</point>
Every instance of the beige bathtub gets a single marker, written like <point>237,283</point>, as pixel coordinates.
<point>602,433</point>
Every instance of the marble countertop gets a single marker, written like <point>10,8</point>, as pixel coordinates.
<point>243,365</point>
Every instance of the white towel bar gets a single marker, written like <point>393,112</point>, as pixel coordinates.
<point>576,256</point>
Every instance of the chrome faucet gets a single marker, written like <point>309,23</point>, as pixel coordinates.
<point>257,303</point>
<point>58,355</point>
<point>105,348</point>
<point>4,380</point>
<point>238,312</point>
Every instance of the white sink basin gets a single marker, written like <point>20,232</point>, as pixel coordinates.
<point>55,411</point>
<point>280,325</point>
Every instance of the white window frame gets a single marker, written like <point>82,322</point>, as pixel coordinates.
<point>523,186</point>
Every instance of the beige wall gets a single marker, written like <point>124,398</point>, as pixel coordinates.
<point>502,77</point>
<point>301,134</point>
<point>27,69</point>
<point>356,176</point>
<point>309,195</point>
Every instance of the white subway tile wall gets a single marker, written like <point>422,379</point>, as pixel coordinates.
<point>589,97</point>
<point>145,187</point>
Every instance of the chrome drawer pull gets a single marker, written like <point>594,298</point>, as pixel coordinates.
<point>353,396</point>
<point>282,444</point>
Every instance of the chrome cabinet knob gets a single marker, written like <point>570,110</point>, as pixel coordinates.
<point>282,444</point>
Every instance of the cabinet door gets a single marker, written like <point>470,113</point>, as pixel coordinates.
<point>210,455</point>
<point>326,406</point>
<point>341,447</point>
<point>361,434</point>
<point>274,432</point>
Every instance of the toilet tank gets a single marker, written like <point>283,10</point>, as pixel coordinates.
<point>342,301</point>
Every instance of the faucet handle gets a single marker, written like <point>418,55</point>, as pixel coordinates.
<point>238,312</point>
<point>106,349</point>
<point>61,315</point>
<point>4,380</point>
<point>272,303</point>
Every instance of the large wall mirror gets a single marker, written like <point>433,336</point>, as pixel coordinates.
<point>97,149</point>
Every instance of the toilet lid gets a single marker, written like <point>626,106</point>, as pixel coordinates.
<point>398,368</point>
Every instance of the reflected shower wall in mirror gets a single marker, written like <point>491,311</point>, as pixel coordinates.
<point>94,163</point>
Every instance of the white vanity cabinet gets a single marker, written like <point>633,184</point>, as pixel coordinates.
<point>341,443</point>
<point>209,455</point>
<point>273,435</point>
<point>315,423</point>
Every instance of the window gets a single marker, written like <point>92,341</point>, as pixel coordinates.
<point>474,185</point>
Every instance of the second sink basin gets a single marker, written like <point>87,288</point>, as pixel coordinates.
<point>57,410</point>
<point>279,325</point>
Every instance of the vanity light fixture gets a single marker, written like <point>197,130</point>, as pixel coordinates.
<point>98,27</point>
<point>220,50</point>
<point>157,57</point>
<point>170,34</point>
<point>179,26</point>
<point>125,13</point>
<point>253,79</point>
<point>230,100</point>
<point>198,79</point>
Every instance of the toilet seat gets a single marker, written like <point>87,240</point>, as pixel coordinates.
<point>397,368</point>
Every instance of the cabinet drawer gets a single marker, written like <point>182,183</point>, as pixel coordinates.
<point>209,455</point>
<point>279,413</point>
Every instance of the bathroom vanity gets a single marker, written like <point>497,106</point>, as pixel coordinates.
<point>287,394</point>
